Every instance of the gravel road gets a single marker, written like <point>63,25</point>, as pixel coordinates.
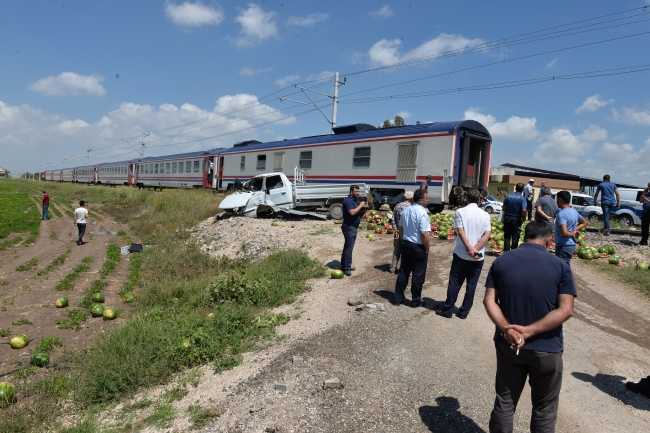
<point>406,369</point>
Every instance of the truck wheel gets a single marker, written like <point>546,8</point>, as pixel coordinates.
<point>625,220</point>
<point>336,211</point>
<point>594,218</point>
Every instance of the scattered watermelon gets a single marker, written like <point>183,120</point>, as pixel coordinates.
<point>61,302</point>
<point>603,250</point>
<point>128,297</point>
<point>614,261</point>
<point>186,343</point>
<point>40,359</point>
<point>443,235</point>
<point>19,341</point>
<point>275,224</point>
<point>497,250</point>
<point>379,230</point>
<point>109,313</point>
<point>337,274</point>
<point>371,226</point>
<point>7,394</point>
<point>642,266</point>
<point>390,231</point>
<point>98,298</point>
<point>96,310</point>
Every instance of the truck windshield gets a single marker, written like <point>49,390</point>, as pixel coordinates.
<point>255,184</point>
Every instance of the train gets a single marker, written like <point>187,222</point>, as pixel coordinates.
<point>389,160</point>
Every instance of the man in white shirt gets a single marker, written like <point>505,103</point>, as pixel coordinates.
<point>529,194</point>
<point>80,220</point>
<point>414,228</point>
<point>473,225</point>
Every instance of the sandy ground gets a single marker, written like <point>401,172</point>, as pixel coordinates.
<point>408,370</point>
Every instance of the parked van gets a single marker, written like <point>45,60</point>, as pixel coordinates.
<point>584,204</point>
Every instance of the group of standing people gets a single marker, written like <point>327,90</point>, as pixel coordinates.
<point>527,308</point>
<point>79,217</point>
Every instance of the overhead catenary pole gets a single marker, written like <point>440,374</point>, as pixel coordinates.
<point>336,100</point>
<point>88,156</point>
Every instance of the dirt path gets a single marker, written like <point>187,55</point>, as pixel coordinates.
<point>26,295</point>
<point>408,370</point>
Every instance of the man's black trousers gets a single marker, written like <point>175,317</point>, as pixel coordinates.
<point>645,225</point>
<point>511,233</point>
<point>544,373</point>
<point>414,260</point>
<point>461,271</point>
<point>82,232</point>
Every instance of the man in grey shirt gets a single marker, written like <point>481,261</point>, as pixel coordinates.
<point>545,207</point>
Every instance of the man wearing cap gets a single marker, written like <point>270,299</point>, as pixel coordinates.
<point>397,242</point>
<point>529,195</point>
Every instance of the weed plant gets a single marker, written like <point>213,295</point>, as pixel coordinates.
<point>54,264</point>
<point>75,320</point>
<point>67,283</point>
<point>5,333</point>
<point>19,322</point>
<point>27,266</point>
<point>47,344</point>
<point>10,242</point>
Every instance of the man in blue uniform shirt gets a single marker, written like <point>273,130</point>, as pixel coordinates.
<point>610,200</point>
<point>645,218</point>
<point>567,226</point>
<point>514,212</point>
<point>528,308</point>
<point>350,227</point>
<point>414,228</point>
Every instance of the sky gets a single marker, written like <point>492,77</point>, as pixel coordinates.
<point>560,85</point>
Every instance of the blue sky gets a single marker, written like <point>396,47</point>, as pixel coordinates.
<point>97,75</point>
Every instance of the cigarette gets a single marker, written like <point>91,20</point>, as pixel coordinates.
<point>518,349</point>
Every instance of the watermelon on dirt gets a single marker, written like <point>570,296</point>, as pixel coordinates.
<point>109,313</point>
<point>19,341</point>
<point>274,224</point>
<point>337,274</point>
<point>98,298</point>
<point>378,230</point>
<point>61,302</point>
<point>614,261</point>
<point>7,394</point>
<point>443,235</point>
<point>611,251</point>
<point>603,250</point>
<point>96,310</point>
<point>371,226</point>
<point>390,231</point>
<point>642,266</point>
<point>497,250</point>
<point>40,359</point>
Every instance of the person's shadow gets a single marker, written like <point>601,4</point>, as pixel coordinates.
<point>334,264</point>
<point>615,387</point>
<point>446,418</point>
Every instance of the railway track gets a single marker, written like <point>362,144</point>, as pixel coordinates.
<point>616,231</point>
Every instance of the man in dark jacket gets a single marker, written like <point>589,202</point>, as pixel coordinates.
<point>514,213</point>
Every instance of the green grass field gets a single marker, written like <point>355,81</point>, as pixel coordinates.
<point>18,212</point>
<point>188,309</point>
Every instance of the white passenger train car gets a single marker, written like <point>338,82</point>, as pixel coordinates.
<point>391,160</point>
<point>185,170</point>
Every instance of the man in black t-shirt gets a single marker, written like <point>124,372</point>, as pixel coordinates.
<point>528,309</point>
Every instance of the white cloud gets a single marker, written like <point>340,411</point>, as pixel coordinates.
<point>632,116</point>
<point>593,103</point>
<point>289,79</point>
<point>562,143</point>
<point>245,70</point>
<point>515,128</point>
<point>193,14</point>
<point>383,12</point>
<point>322,76</point>
<point>386,52</point>
<point>552,63</point>
<point>256,25</point>
<point>307,21</point>
<point>69,83</point>
<point>26,131</point>
<point>404,114</point>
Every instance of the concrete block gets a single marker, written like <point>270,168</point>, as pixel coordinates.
<point>285,387</point>
<point>297,360</point>
<point>333,383</point>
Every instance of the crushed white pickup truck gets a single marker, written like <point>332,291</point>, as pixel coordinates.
<point>273,193</point>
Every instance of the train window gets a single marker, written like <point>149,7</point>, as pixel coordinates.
<point>173,167</point>
<point>167,168</point>
<point>261,162</point>
<point>146,169</point>
<point>361,157</point>
<point>188,166</point>
<point>181,165</point>
<point>242,163</point>
<point>156,168</point>
<point>305,160</point>
<point>150,168</point>
<point>197,166</point>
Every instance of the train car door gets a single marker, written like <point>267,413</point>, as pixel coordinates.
<point>133,174</point>
<point>217,181</point>
<point>474,161</point>
<point>95,174</point>
<point>74,175</point>
<point>208,167</point>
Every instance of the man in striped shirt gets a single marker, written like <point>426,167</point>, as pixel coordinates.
<point>425,183</point>
<point>397,242</point>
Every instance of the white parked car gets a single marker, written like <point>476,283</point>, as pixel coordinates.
<point>491,205</point>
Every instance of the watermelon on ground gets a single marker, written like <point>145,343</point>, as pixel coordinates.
<point>614,261</point>
<point>642,266</point>
<point>337,274</point>
<point>19,341</point>
<point>98,298</point>
<point>96,310</point>
<point>443,235</point>
<point>378,230</point>
<point>40,359</point>
<point>109,313</point>
<point>128,297</point>
<point>611,250</point>
<point>7,394</point>
<point>61,302</point>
